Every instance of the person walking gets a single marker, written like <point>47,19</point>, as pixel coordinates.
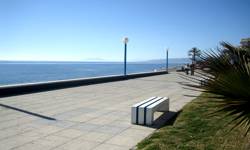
<point>186,68</point>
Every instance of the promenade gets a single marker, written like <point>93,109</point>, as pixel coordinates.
<point>93,117</point>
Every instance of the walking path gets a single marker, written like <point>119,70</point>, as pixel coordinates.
<point>87,117</point>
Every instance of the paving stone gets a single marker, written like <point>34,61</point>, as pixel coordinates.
<point>78,144</point>
<point>45,121</point>
<point>10,116</point>
<point>141,127</point>
<point>16,141</point>
<point>4,134</point>
<point>82,118</point>
<point>124,140</point>
<point>15,122</point>
<point>33,146</point>
<point>86,126</point>
<point>63,124</point>
<point>51,141</point>
<point>69,114</point>
<point>101,121</point>
<point>32,134</point>
<point>135,133</point>
<point>96,136</point>
<point>120,123</point>
<point>70,133</point>
<point>111,147</point>
<point>87,117</point>
<point>46,130</point>
<point>110,129</point>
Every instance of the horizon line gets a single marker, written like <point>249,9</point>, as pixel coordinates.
<point>91,60</point>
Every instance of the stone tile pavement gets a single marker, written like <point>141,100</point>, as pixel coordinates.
<point>93,117</point>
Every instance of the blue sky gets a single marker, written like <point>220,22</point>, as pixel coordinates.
<point>87,30</point>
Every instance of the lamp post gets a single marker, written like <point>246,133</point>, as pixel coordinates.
<point>125,40</point>
<point>167,60</point>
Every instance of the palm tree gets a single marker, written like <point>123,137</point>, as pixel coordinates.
<point>194,53</point>
<point>228,77</point>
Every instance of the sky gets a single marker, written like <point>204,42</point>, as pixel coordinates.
<point>93,30</point>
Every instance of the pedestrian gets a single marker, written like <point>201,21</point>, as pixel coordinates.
<point>186,68</point>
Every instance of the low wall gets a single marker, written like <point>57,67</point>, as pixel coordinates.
<point>12,90</point>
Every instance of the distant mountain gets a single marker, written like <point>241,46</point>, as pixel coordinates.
<point>170,60</point>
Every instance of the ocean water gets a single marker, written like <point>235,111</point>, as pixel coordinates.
<point>31,72</point>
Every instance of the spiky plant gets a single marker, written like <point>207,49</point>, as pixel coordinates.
<point>227,75</point>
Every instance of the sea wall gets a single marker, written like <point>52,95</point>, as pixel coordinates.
<point>17,89</point>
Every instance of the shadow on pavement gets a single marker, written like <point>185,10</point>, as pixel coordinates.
<point>166,119</point>
<point>27,112</point>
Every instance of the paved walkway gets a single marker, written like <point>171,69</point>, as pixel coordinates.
<point>88,117</point>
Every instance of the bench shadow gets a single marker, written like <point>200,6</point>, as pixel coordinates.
<point>189,95</point>
<point>166,119</point>
<point>27,112</point>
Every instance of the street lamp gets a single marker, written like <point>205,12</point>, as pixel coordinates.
<point>167,60</point>
<point>125,41</point>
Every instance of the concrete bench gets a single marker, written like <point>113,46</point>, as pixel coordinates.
<point>143,112</point>
<point>204,81</point>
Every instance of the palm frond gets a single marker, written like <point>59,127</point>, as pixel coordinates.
<point>228,76</point>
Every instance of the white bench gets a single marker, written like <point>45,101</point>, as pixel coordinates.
<point>204,81</point>
<point>143,112</point>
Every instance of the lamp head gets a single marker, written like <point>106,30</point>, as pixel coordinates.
<point>125,40</point>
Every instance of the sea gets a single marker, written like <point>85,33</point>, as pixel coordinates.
<point>19,72</point>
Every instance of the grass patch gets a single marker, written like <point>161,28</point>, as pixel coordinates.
<point>196,129</point>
